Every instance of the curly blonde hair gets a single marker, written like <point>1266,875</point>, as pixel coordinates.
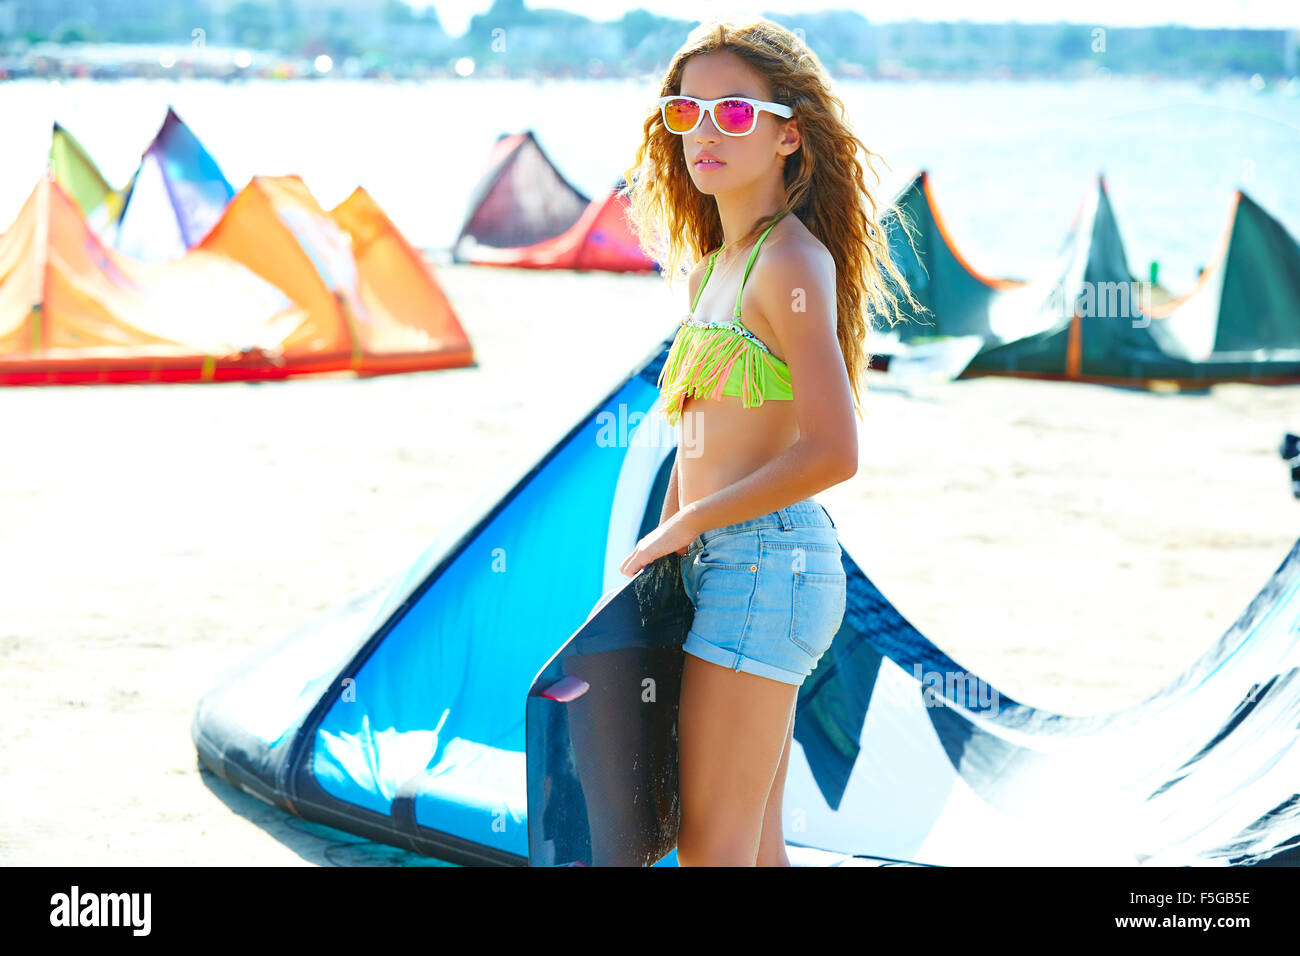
<point>825,183</point>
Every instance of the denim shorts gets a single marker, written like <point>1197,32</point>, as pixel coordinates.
<point>769,593</point>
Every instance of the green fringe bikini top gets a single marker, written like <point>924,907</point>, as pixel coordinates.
<point>712,359</point>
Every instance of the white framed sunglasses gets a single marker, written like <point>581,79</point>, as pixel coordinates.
<point>732,115</point>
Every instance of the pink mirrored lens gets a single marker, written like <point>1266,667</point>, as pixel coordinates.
<point>734,116</point>
<point>681,115</point>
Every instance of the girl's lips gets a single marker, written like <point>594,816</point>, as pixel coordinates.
<point>709,164</point>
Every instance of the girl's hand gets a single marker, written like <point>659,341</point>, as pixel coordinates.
<point>673,535</point>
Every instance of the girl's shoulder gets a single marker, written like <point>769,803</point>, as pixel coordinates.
<point>797,245</point>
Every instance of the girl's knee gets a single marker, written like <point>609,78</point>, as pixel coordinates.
<point>776,857</point>
<point>716,850</point>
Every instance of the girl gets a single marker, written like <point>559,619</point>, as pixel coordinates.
<point>748,141</point>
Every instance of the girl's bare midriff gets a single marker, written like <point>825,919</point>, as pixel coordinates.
<point>720,441</point>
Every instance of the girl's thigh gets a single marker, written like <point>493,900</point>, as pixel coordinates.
<point>731,730</point>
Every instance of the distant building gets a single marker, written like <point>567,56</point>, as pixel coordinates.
<point>46,18</point>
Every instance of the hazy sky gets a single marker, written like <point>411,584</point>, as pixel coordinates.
<point>455,14</point>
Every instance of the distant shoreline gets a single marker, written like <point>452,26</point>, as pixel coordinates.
<point>527,43</point>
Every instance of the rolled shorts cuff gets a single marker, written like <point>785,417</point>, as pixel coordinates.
<point>699,647</point>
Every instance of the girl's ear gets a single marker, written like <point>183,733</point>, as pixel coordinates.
<point>791,136</point>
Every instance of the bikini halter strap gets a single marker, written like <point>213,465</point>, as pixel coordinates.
<point>748,265</point>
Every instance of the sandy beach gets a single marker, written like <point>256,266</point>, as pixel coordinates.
<point>1075,545</point>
